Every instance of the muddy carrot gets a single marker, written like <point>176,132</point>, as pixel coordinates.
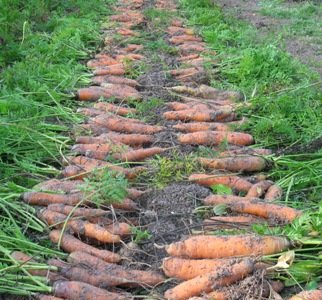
<point>188,57</point>
<point>218,278</point>
<point>175,30</point>
<point>119,228</point>
<point>71,244</point>
<point>56,185</point>
<point>44,199</point>
<point>128,139</point>
<point>106,147</point>
<point>133,48</point>
<point>110,70</point>
<point>120,125</point>
<point>235,164</point>
<point>106,61</point>
<point>89,112</point>
<point>245,151</point>
<point>203,246</point>
<point>47,297</point>
<point>201,126</point>
<point>77,212</point>
<point>74,290</point>
<point>132,277</point>
<point>258,189</point>
<point>126,204</point>
<point>134,193</point>
<point>274,192</point>
<point>235,182</point>
<point>185,269</point>
<point>119,110</point>
<point>114,79</point>
<point>180,39</point>
<point>256,207</point>
<point>216,137</point>
<point>190,47</point>
<point>308,295</point>
<point>130,56</point>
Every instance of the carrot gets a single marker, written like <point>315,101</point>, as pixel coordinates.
<point>130,277</point>
<point>119,125</point>
<point>44,199</point>
<point>199,116</point>
<point>127,32</point>
<point>84,164</point>
<point>106,61</point>
<point>188,57</point>
<point>235,182</point>
<point>89,112</point>
<point>190,47</point>
<point>74,290</point>
<point>107,148</point>
<point>175,30</point>
<point>274,192</point>
<point>244,151</point>
<point>205,283</point>
<point>90,128</point>
<point>235,164</point>
<point>71,244</point>
<point>215,138</point>
<point>139,154</point>
<point>176,22</point>
<point>201,126</point>
<point>180,39</point>
<point>114,79</point>
<point>256,207</point>
<point>24,259</point>
<point>258,189</point>
<point>119,110</point>
<point>128,139</point>
<point>56,185</point>
<point>130,56</point>
<point>215,199</point>
<point>126,204</point>
<point>215,223</point>
<point>119,228</point>
<point>80,227</point>
<point>197,62</point>
<point>186,269</point>
<point>118,91</point>
<point>110,70</point>
<point>185,71</point>
<point>134,193</point>
<point>77,212</point>
<point>203,246</point>
<point>308,295</point>
<point>133,48</point>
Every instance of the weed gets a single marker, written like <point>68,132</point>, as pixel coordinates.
<point>140,235</point>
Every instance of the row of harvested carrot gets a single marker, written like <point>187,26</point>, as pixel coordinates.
<point>204,264</point>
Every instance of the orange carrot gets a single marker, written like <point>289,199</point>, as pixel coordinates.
<point>119,125</point>
<point>235,182</point>
<point>139,154</point>
<point>186,269</point>
<point>203,246</point>
<point>56,185</point>
<point>114,79</point>
<point>180,39</point>
<point>71,244</point>
<point>110,70</point>
<point>118,91</point>
<point>215,138</point>
<point>126,204</point>
<point>128,139</point>
<point>190,47</point>
<point>185,71</point>
<point>107,148</point>
<point>89,112</point>
<point>256,207</point>
<point>130,56</point>
<point>84,165</point>
<point>175,30</point>
<point>44,199</point>
<point>235,164</point>
<point>205,283</point>
<point>201,126</point>
<point>80,227</point>
<point>258,189</point>
<point>119,110</point>
<point>106,61</point>
<point>188,57</point>
<point>74,290</point>
<point>274,192</point>
<point>199,116</point>
<point>127,32</point>
<point>130,277</point>
<point>215,199</point>
<point>133,48</point>
<point>134,193</point>
<point>308,295</point>
<point>119,228</point>
<point>77,212</point>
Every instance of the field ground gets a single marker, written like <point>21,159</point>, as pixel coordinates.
<point>260,63</point>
